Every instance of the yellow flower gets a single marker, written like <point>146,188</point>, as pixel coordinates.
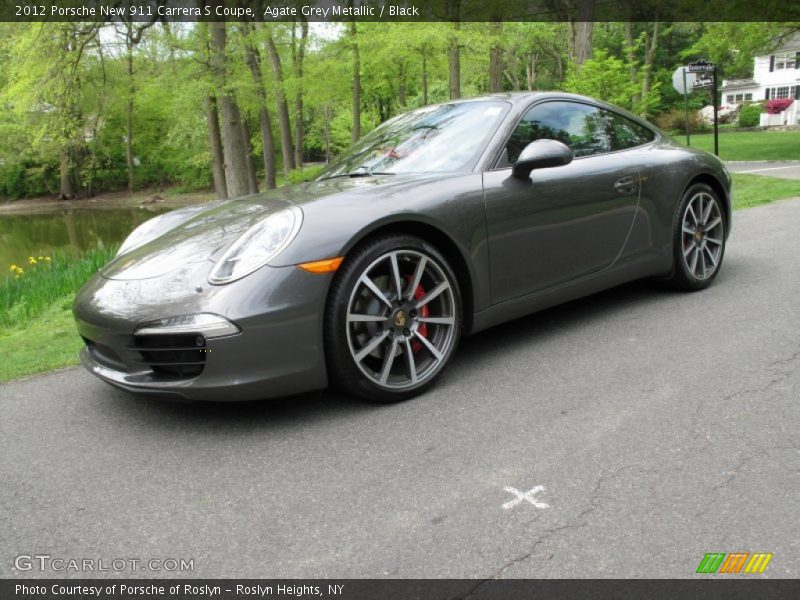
<point>41,258</point>
<point>31,260</point>
<point>47,259</point>
<point>13,268</point>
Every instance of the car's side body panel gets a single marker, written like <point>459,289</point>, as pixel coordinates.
<point>560,224</point>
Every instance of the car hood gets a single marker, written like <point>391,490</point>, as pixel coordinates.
<point>203,235</point>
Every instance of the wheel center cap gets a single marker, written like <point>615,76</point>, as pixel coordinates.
<point>698,236</point>
<point>400,319</point>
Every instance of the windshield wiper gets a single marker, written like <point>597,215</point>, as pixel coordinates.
<point>357,174</point>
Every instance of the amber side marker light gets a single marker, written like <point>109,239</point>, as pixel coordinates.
<point>328,265</point>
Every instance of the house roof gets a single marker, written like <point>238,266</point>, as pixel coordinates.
<point>733,84</point>
<point>791,42</point>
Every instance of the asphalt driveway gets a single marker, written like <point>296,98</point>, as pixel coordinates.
<point>624,435</point>
<point>782,169</point>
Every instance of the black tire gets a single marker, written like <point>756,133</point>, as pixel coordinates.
<point>696,258</point>
<point>346,339</point>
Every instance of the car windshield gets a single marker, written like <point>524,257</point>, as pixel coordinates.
<point>444,138</point>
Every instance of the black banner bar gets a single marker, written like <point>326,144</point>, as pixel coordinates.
<point>705,587</point>
<point>400,10</point>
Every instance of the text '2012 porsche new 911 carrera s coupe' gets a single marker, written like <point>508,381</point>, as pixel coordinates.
<point>441,222</point>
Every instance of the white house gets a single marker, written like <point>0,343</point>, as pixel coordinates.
<point>775,75</point>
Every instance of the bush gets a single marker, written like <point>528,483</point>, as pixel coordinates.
<point>778,105</point>
<point>28,177</point>
<point>674,121</point>
<point>750,116</point>
<point>306,174</point>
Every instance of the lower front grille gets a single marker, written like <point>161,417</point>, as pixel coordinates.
<point>172,356</point>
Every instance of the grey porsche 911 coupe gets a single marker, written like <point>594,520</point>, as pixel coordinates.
<point>441,222</point>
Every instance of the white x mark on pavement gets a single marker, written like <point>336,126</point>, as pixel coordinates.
<point>529,496</point>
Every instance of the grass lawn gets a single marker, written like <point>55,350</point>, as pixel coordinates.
<point>44,343</point>
<point>752,190</point>
<point>750,145</point>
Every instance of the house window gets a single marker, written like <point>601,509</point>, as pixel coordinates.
<point>785,60</point>
<point>734,98</point>
<point>781,92</point>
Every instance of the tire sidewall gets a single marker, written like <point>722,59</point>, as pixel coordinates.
<point>682,276</point>
<point>342,370</point>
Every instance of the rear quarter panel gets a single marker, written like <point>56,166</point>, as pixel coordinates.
<point>667,169</point>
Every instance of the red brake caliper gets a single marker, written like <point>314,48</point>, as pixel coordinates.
<point>422,330</point>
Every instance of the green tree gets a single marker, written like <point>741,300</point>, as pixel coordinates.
<point>604,77</point>
<point>45,87</point>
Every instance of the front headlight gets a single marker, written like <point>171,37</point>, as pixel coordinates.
<point>257,246</point>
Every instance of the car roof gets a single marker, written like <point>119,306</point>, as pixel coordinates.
<point>521,100</point>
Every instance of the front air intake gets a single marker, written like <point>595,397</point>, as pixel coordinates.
<point>172,356</point>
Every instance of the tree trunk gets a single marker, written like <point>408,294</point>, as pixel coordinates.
<point>67,191</point>
<point>512,71</point>
<point>252,179</point>
<point>455,70</point>
<point>253,61</point>
<point>571,39</point>
<point>287,152</point>
<point>454,51</point>
<point>496,59</point>
<point>129,116</point>
<point>215,143</point>
<point>299,132</point>
<point>401,86</point>
<point>356,82</point>
<point>327,132</point>
<point>583,32</point>
<point>232,139</point>
<point>629,51</point>
<point>69,121</point>
<point>649,55</point>
<point>267,148</point>
<point>424,80</point>
<point>133,35</point>
<point>531,72</point>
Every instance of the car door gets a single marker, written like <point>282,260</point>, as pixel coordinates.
<point>563,222</point>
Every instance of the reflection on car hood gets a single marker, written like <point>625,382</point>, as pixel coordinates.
<point>205,234</point>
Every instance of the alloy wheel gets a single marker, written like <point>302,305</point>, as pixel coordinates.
<point>703,234</point>
<point>401,319</point>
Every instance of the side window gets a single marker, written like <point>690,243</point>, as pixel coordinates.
<point>583,128</point>
<point>626,133</point>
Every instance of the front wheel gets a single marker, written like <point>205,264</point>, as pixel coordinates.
<point>698,238</point>
<point>393,319</point>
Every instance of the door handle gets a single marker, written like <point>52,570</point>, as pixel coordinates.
<point>626,185</point>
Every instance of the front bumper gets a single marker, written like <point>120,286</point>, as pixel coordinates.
<point>278,352</point>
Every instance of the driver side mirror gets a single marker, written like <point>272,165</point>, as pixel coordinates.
<point>541,154</point>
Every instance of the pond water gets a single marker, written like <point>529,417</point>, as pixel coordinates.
<point>72,230</point>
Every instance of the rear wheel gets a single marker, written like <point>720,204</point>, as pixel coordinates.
<point>393,319</point>
<point>698,238</point>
